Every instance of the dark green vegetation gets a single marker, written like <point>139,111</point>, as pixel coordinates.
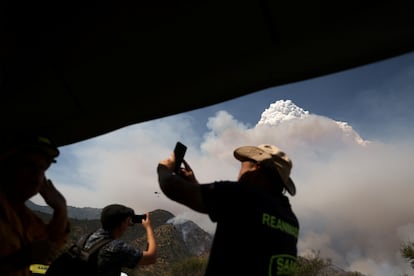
<point>407,251</point>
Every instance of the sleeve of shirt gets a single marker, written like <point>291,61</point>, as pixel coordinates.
<point>17,231</point>
<point>128,255</point>
<point>39,230</point>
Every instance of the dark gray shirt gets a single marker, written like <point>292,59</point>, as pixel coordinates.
<point>114,255</point>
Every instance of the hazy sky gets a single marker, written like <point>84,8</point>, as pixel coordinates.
<point>354,200</point>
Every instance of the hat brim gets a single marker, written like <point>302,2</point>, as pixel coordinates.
<point>51,152</point>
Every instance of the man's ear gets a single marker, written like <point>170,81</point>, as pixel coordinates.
<point>251,165</point>
<point>255,166</point>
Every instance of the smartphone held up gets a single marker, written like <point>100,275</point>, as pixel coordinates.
<point>179,152</point>
<point>138,218</point>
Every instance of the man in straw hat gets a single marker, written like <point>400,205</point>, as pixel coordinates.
<point>24,237</point>
<point>256,228</point>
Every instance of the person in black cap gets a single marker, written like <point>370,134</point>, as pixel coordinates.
<point>256,229</point>
<point>116,254</point>
<point>24,237</point>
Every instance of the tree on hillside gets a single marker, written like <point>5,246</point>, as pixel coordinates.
<point>407,251</point>
<point>311,264</point>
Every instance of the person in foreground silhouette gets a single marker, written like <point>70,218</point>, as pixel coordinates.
<point>25,238</point>
<point>256,229</point>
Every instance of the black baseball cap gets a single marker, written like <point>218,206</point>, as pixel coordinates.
<point>30,141</point>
